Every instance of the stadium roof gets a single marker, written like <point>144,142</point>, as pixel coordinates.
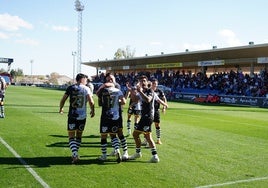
<point>241,54</point>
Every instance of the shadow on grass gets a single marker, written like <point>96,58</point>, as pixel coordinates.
<point>30,105</point>
<point>84,145</point>
<point>66,144</point>
<point>66,136</point>
<point>130,142</point>
<point>44,162</point>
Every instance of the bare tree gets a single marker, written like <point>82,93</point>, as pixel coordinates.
<point>54,78</point>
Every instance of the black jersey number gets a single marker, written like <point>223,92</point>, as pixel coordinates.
<point>78,101</point>
<point>109,100</point>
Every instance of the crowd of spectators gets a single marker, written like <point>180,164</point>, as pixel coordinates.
<point>224,83</point>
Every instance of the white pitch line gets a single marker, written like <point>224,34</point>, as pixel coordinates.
<point>233,182</point>
<point>35,175</point>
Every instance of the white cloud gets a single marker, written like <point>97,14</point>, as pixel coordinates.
<point>13,23</point>
<point>3,36</point>
<point>28,42</point>
<point>227,33</point>
<point>230,37</point>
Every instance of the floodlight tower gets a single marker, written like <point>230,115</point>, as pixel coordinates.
<point>79,8</point>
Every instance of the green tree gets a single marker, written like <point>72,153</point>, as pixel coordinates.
<point>124,53</point>
<point>17,72</point>
<point>118,54</point>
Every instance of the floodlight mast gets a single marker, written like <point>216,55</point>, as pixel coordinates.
<point>79,8</point>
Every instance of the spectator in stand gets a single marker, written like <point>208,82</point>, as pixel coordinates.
<point>226,83</point>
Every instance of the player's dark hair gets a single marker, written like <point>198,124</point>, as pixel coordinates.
<point>79,76</point>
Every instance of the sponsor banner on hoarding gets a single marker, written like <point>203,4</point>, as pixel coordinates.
<point>164,65</point>
<point>262,60</point>
<point>225,99</point>
<point>210,63</point>
<point>125,67</point>
<point>248,101</point>
<point>184,96</point>
<point>264,103</point>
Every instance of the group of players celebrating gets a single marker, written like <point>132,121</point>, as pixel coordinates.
<point>145,100</point>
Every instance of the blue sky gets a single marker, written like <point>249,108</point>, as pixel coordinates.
<point>45,31</point>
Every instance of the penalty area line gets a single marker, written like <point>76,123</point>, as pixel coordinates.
<point>34,174</point>
<point>233,182</point>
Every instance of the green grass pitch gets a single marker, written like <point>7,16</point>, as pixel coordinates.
<point>208,146</point>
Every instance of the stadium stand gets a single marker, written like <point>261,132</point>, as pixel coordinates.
<point>236,72</point>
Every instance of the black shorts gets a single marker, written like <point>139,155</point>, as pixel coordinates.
<point>74,124</point>
<point>2,96</point>
<point>132,111</point>
<point>110,126</point>
<point>144,125</point>
<point>120,122</point>
<point>157,116</point>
